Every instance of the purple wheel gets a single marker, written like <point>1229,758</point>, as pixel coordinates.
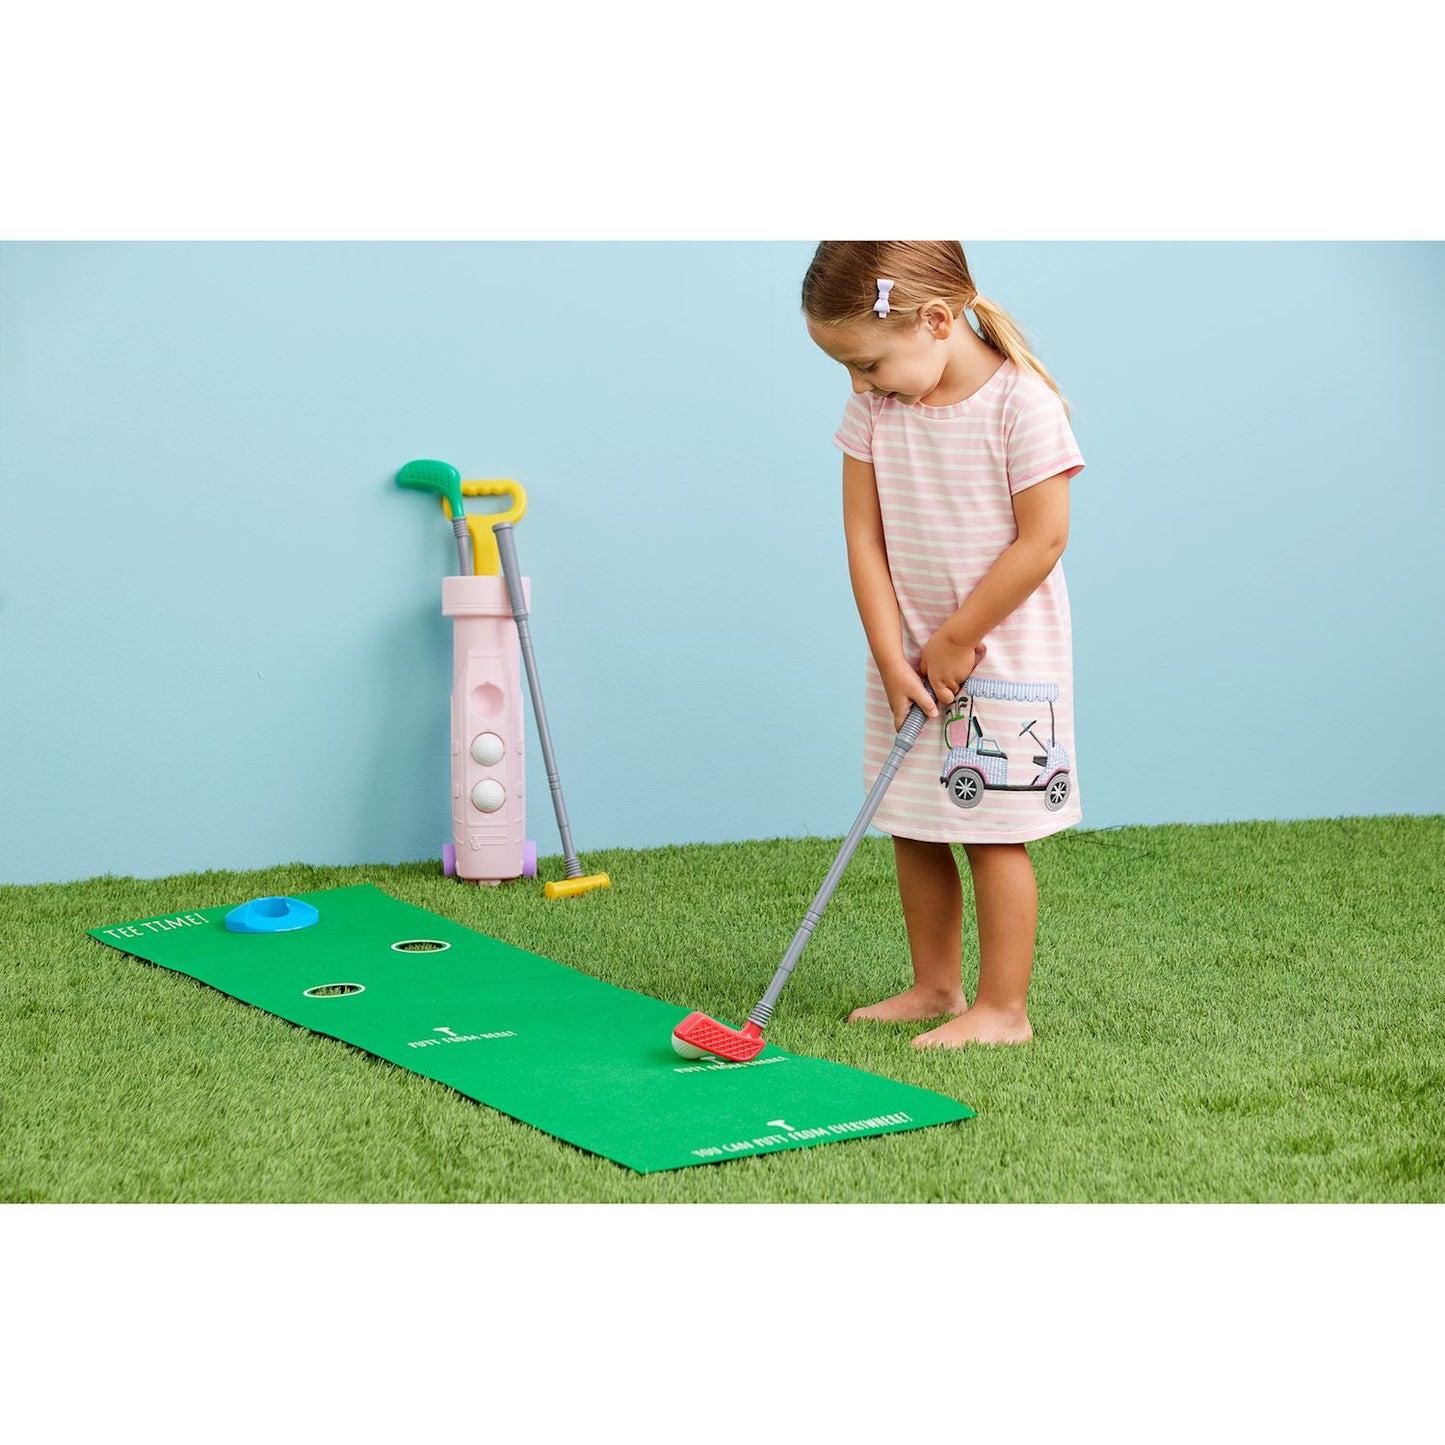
<point>529,858</point>
<point>449,859</point>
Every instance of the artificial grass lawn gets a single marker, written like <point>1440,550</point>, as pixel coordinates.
<point>1239,1012</point>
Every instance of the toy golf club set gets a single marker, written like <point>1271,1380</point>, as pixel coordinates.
<point>489,631</point>
<point>580,1059</point>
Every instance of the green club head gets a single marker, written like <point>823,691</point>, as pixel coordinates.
<point>439,478</point>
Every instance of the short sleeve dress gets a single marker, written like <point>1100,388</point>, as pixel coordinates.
<point>1000,766</point>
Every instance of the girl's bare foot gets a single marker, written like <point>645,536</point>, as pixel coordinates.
<point>913,1005</point>
<point>978,1026</point>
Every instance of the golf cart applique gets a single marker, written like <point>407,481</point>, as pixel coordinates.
<point>976,764</point>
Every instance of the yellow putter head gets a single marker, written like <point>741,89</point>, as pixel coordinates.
<point>574,887</point>
<point>485,560</point>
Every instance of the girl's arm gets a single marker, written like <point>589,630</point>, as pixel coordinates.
<point>873,589</point>
<point>1042,514</point>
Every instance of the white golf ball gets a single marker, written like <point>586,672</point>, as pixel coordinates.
<point>487,749</point>
<point>488,795</point>
<point>688,1051</point>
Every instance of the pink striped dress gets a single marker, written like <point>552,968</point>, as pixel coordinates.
<point>999,767</point>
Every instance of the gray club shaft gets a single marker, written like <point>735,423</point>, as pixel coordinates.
<point>907,736</point>
<point>464,545</point>
<point>512,571</point>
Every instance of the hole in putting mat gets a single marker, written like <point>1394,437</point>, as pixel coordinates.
<point>334,990</point>
<point>420,945</point>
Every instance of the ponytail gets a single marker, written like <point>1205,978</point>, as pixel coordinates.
<point>1004,334</point>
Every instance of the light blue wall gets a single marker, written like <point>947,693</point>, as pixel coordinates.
<point>222,644</point>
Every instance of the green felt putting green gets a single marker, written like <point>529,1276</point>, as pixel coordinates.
<point>580,1059</point>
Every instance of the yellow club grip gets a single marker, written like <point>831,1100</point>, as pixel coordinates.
<point>486,561</point>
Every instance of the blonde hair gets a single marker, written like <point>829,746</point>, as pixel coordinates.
<point>841,287</point>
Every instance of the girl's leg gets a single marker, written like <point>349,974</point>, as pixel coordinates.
<point>932,894</point>
<point>1006,900</point>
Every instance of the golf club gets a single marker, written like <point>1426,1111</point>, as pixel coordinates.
<point>444,481</point>
<point>575,882</point>
<point>698,1034</point>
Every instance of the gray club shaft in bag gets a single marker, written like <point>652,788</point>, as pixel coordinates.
<point>512,571</point>
<point>907,736</point>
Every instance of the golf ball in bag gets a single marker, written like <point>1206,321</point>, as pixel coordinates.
<point>488,749</point>
<point>488,796</point>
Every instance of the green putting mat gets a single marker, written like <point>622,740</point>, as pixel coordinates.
<point>577,1058</point>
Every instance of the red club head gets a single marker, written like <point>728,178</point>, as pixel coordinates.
<point>697,1035</point>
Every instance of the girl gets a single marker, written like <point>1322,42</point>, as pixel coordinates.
<point>958,456</point>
